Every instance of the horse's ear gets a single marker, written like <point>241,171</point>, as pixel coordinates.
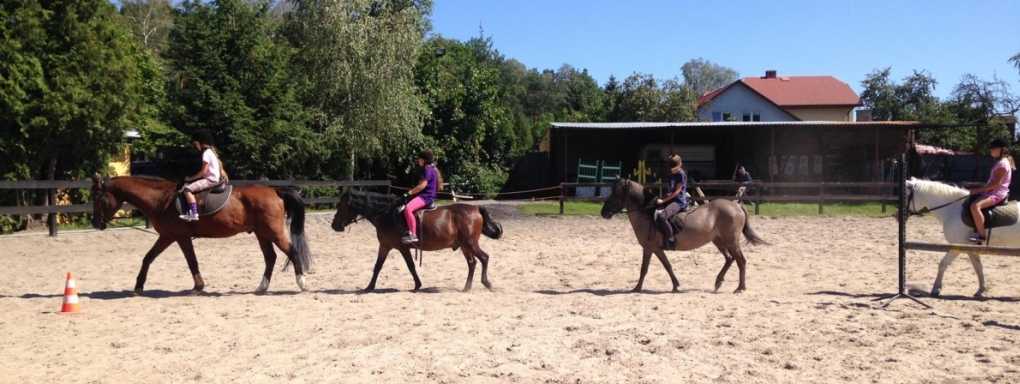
<point>96,180</point>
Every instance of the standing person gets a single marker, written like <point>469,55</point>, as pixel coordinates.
<point>744,176</point>
<point>209,176</point>
<point>995,191</point>
<point>424,193</point>
<point>675,201</point>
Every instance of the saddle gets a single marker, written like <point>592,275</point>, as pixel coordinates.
<point>398,215</point>
<point>677,222</point>
<point>1004,214</point>
<point>209,201</point>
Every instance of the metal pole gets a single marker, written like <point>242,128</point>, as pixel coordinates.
<point>901,289</point>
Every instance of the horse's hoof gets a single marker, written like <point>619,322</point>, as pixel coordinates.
<point>301,283</point>
<point>739,290</point>
<point>676,289</point>
<point>934,293</point>
<point>194,292</point>
<point>368,289</point>
<point>636,290</point>
<point>137,292</point>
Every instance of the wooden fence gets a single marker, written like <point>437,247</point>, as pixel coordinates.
<point>52,209</point>
<point>836,192</point>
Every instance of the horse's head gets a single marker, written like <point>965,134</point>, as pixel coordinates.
<point>344,216</point>
<point>621,193</point>
<point>104,203</point>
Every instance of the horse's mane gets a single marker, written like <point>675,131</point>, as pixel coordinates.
<point>372,205</point>
<point>645,199</point>
<point>938,188</point>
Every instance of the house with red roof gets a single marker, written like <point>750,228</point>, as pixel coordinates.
<point>780,98</point>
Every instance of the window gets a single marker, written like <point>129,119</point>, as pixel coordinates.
<point>752,116</point>
<point>721,116</point>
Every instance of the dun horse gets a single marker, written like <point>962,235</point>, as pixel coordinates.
<point>451,226</point>
<point>254,208</point>
<point>720,222</point>
<point>945,202</point>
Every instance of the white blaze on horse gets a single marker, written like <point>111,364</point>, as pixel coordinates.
<point>945,202</point>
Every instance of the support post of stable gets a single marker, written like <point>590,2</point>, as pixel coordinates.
<point>902,288</point>
<point>821,199</point>
<point>563,195</point>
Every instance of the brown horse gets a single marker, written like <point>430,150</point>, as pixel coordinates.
<point>720,222</point>
<point>254,208</point>
<point>451,226</point>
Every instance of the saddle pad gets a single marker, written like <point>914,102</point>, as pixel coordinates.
<point>208,202</point>
<point>1000,216</point>
<point>678,222</point>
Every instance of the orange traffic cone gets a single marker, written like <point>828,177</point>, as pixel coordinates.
<point>70,296</point>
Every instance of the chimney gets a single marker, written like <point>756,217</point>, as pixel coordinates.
<point>770,74</point>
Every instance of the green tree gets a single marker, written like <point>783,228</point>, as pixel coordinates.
<point>71,87</point>
<point>471,122</point>
<point>358,58</point>
<point>229,76</point>
<point>150,22</point>
<point>705,76</point>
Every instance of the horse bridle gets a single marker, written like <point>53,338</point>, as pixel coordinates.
<point>347,210</point>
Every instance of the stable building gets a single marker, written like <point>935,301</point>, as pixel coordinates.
<point>779,151</point>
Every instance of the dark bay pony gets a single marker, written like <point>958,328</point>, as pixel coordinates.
<point>450,226</point>
<point>253,208</point>
<point>720,222</point>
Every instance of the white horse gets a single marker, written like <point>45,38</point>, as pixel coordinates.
<point>945,202</point>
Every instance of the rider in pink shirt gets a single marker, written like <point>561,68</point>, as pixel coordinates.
<point>996,190</point>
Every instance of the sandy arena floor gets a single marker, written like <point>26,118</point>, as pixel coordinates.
<point>561,311</point>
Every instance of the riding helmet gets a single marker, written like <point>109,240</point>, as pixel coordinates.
<point>203,136</point>
<point>1000,143</point>
<point>427,155</point>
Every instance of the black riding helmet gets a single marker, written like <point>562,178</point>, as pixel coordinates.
<point>428,156</point>
<point>203,136</point>
<point>1000,143</point>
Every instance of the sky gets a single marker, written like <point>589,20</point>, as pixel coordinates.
<point>844,39</point>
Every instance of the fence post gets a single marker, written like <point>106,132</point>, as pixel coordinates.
<point>821,199</point>
<point>756,206</point>
<point>148,224</point>
<point>883,206</point>
<point>51,219</point>
<point>563,195</point>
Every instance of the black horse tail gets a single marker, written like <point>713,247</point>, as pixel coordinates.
<point>490,227</point>
<point>294,206</point>
<point>748,232</point>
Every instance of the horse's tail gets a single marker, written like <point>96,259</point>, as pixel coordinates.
<point>294,206</point>
<point>748,232</point>
<point>490,227</point>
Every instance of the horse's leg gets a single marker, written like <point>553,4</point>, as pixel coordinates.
<point>406,253</point>
<point>270,255</point>
<point>280,239</point>
<point>380,259</point>
<point>946,260</point>
<point>189,254</point>
<point>975,260</point>
<point>726,266</point>
<point>645,258</point>
<point>669,269</point>
<point>471,267</point>
<point>484,258</point>
<point>161,244</point>
<point>738,255</point>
